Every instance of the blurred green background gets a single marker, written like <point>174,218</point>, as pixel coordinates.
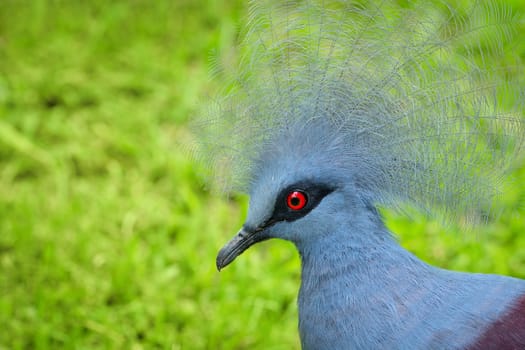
<point>107,235</point>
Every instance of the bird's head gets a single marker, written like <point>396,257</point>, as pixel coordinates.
<point>299,192</point>
<point>331,113</point>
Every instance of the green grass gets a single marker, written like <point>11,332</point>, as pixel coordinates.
<point>107,237</point>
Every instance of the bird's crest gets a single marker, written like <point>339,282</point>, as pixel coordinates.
<point>420,98</point>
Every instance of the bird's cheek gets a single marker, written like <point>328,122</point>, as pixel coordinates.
<point>283,230</point>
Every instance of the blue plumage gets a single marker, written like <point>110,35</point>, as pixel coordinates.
<point>339,108</point>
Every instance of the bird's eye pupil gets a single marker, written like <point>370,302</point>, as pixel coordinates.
<point>296,200</point>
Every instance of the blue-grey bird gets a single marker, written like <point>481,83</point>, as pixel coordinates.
<point>337,108</point>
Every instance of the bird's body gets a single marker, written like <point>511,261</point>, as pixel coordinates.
<point>337,118</point>
<point>379,296</point>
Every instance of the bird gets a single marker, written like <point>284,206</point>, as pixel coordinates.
<point>338,109</point>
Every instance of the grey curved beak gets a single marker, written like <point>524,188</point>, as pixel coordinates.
<point>238,244</point>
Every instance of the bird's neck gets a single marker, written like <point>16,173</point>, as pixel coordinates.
<point>359,257</point>
<point>355,274</point>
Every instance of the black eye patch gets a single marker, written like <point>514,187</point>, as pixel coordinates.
<point>286,208</point>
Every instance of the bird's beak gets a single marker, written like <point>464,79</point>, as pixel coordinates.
<point>238,244</point>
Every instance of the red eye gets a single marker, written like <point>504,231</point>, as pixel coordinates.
<point>296,200</point>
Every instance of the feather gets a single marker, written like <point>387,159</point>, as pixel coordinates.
<point>411,91</point>
<point>507,332</point>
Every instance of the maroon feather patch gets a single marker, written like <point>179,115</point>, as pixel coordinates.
<point>508,332</point>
